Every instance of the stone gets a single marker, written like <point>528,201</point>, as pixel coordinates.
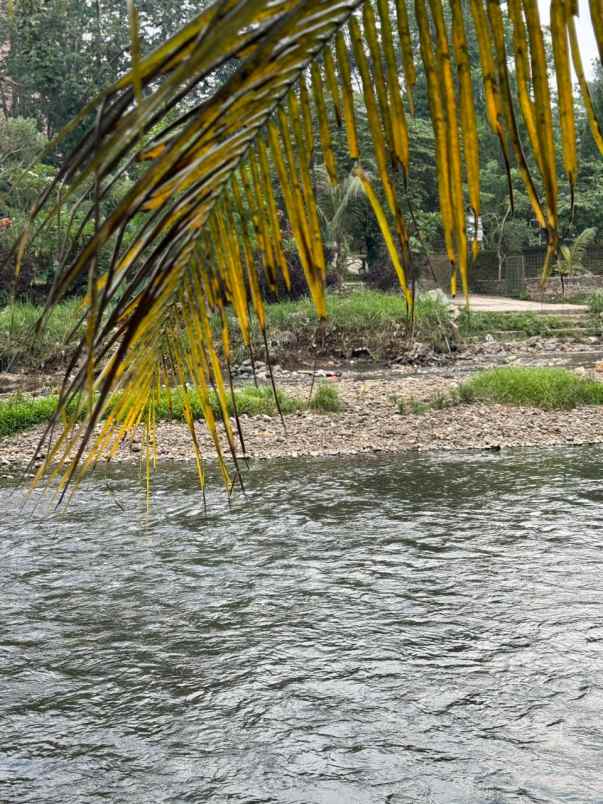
<point>8,382</point>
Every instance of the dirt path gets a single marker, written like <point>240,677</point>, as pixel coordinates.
<point>501,304</point>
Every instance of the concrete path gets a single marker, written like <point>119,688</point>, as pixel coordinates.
<point>501,304</point>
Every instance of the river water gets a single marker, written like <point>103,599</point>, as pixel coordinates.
<point>411,629</point>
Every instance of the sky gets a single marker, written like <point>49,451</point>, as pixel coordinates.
<point>586,37</point>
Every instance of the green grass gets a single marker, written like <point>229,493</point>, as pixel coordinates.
<point>412,406</point>
<point>547,388</point>
<point>595,304</point>
<point>326,399</point>
<point>20,347</point>
<point>21,412</point>
<point>529,324</point>
<point>368,311</point>
<point>250,401</point>
<point>365,312</point>
<point>417,407</point>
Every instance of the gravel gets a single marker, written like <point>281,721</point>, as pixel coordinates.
<point>369,423</point>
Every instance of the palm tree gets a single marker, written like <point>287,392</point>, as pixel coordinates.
<point>570,260</point>
<point>202,218</point>
<point>338,203</point>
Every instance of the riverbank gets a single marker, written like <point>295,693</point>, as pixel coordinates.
<point>370,422</point>
<point>363,324</point>
<point>370,389</point>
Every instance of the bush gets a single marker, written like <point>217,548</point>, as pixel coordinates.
<point>546,388</point>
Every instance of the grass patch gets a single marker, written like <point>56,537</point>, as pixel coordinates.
<point>18,344</point>
<point>367,310</point>
<point>595,304</point>
<point>355,316</point>
<point>326,399</point>
<point>250,401</point>
<point>546,388</point>
<point>412,406</point>
<point>418,407</point>
<point>22,412</point>
<point>529,324</point>
<point>363,312</point>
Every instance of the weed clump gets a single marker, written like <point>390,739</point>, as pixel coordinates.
<point>439,402</point>
<point>326,399</point>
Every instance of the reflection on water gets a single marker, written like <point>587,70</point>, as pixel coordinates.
<point>393,630</point>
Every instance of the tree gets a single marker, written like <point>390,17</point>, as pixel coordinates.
<point>20,143</point>
<point>60,53</point>
<point>338,206</point>
<point>204,208</point>
<point>570,260</point>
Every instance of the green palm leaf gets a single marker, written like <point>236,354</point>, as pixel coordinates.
<point>202,219</point>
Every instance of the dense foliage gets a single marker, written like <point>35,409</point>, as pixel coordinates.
<point>61,53</point>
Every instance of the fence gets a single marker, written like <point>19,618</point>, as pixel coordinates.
<point>519,273</point>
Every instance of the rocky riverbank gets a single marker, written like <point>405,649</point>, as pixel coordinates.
<point>369,423</point>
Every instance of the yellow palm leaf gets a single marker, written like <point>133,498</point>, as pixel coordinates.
<point>218,186</point>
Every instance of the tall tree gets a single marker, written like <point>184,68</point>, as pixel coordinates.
<point>58,54</point>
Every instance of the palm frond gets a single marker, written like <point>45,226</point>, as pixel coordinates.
<point>570,260</point>
<point>580,244</point>
<point>203,220</point>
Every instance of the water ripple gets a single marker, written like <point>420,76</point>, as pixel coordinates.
<point>387,630</point>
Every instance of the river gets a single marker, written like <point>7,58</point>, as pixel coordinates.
<point>409,629</point>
